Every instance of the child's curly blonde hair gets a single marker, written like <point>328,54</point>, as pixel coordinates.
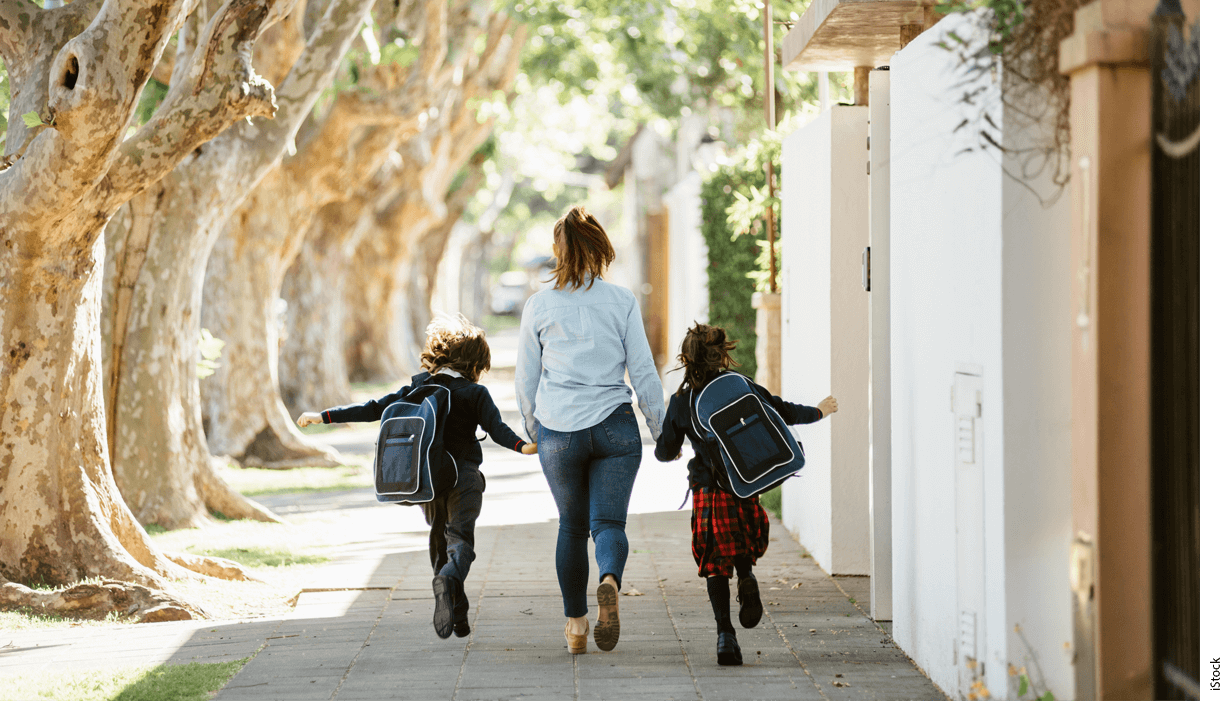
<point>454,342</point>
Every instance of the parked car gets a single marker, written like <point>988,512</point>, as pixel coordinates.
<point>509,294</point>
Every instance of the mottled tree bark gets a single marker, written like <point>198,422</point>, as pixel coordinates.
<point>161,459</point>
<point>312,363</point>
<point>61,515</point>
<point>386,287</point>
<point>242,404</point>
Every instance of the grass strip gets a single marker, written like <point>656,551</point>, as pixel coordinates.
<point>180,682</point>
<point>260,482</point>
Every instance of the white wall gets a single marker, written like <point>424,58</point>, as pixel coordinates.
<point>806,339</point>
<point>977,281</point>
<point>689,263</point>
<point>824,333</point>
<point>1037,421</point>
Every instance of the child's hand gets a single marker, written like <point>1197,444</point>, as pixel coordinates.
<point>309,417</point>
<point>828,406</point>
<point>529,449</point>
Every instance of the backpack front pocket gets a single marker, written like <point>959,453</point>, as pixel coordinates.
<point>752,442</point>
<point>400,458</point>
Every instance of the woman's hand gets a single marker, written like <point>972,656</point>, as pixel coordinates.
<point>828,406</point>
<point>308,418</point>
<point>529,449</point>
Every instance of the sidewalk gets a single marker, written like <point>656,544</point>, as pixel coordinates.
<point>362,627</point>
<point>378,643</point>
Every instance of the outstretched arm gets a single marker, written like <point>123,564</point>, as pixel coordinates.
<point>489,419</point>
<point>671,441</point>
<point>529,371</point>
<point>370,410</point>
<point>643,372</point>
<point>796,413</point>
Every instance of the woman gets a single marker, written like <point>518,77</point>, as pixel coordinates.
<point>577,339</point>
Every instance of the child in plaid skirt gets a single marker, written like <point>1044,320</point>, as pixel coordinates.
<point>728,533</point>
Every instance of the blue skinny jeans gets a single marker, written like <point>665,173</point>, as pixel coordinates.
<point>591,472</point>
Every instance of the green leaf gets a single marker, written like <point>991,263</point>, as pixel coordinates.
<point>1024,689</point>
<point>210,346</point>
<point>1048,696</point>
<point>31,119</point>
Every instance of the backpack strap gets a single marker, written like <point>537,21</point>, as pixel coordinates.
<point>717,467</point>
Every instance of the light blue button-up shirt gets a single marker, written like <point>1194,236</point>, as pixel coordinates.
<point>575,346</point>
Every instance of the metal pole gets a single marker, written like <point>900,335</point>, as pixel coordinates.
<point>771,119</point>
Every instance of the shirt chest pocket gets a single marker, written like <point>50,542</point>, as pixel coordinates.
<point>568,325</point>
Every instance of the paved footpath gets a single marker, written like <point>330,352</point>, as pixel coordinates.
<point>377,642</point>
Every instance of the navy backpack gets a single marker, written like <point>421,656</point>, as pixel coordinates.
<point>411,463</point>
<point>746,438</point>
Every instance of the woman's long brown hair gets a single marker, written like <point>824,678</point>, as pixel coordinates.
<point>705,353</point>
<point>583,247</point>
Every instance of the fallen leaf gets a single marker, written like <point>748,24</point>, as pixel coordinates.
<point>811,630</point>
<point>783,581</point>
<point>837,683</point>
<point>633,592</point>
<point>796,585</point>
<point>775,588</point>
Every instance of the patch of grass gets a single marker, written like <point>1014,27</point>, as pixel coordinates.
<point>154,529</point>
<point>26,618</point>
<point>772,501</point>
<point>181,682</point>
<point>257,481</point>
<point>261,557</point>
<point>493,323</point>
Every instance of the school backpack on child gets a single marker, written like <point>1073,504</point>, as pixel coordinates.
<point>411,463</point>
<point>748,442</point>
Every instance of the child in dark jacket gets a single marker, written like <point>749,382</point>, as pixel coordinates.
<point>455,355</point>
<point>728,533</point>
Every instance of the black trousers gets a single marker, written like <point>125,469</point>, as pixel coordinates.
<point>452,515</point>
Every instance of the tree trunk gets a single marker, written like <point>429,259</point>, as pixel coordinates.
<point>61,515</point>
<point>241,403</point>
<point>162,462</point>
<point>312,360</point>
<point>61,518</point>
<point>382,342</point>
<point>161,458</point>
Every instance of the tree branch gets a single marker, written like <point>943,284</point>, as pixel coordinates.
<point>311,74</point>
<point>92,92</point>
<point>218,88</point>
<point>16,20</point>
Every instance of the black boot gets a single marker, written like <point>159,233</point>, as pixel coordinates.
<point>461,612</point>
<point>750,607</point>
<point>444,587</point>
<point>728,652</point>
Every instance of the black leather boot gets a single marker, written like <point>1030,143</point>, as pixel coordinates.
<point>750,607</point>
<point>728,652</point>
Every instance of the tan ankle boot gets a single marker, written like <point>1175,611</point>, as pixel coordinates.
<point>577,636</point>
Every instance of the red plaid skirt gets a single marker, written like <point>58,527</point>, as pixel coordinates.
<point>725,527</point>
